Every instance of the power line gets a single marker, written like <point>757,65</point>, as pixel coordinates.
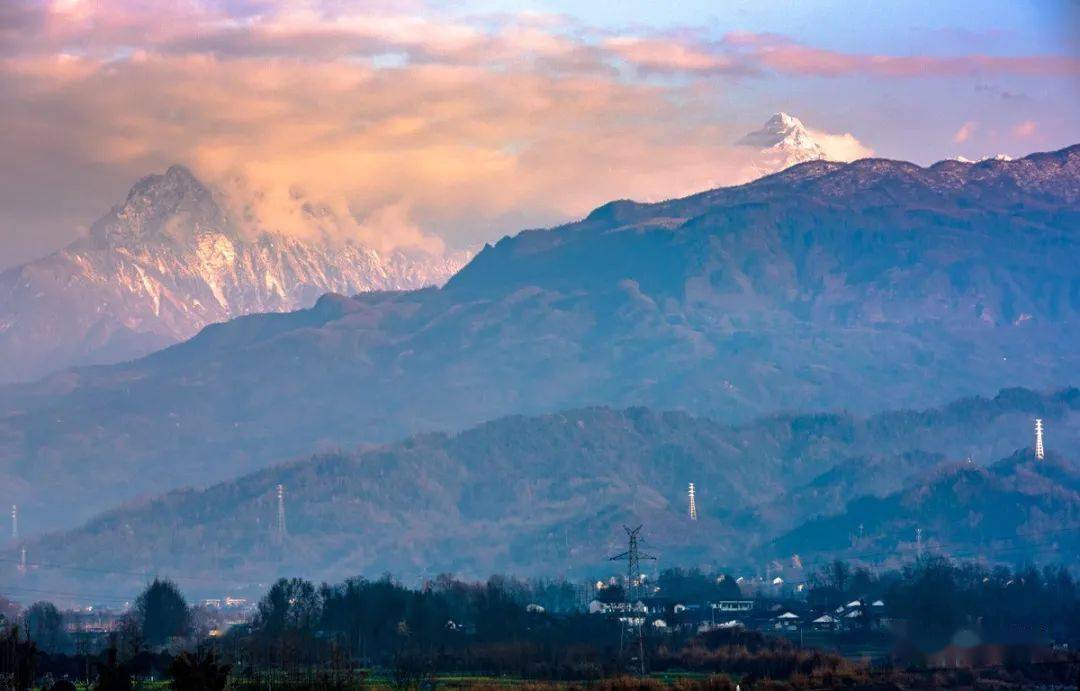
<point>58,593</point>
<point>956,550</point>
<point>120,572</point>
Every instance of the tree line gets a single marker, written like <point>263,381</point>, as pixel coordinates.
<point>344,631</point>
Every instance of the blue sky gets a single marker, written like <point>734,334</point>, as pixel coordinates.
<point>917,26</point>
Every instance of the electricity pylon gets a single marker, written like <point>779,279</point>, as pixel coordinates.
<point>633,558</point>
<point>1040,452</point>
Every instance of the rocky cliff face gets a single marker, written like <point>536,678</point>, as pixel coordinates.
<point>164,264</point>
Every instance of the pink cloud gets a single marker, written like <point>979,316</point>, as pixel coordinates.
<point>481,123</point>
<point>1025,129</point>
<point>669,55</point>
<point>965,132</point>
<point>781,54</point>
<point>400,156</point>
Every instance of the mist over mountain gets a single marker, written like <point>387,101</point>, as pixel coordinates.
<point>165,263</point>
<point>868,286</point>
<point>542,495</point>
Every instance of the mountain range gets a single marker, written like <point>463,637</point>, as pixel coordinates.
<point>164,264</point>
<point>869,286</point>
<point>547,495</point>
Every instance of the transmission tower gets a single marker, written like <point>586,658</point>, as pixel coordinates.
<point>633,558</point>
<point>918,542</point>
<point>280,534</point>
<point>14,522</point>
<point>693,504</point>
<point>1040,452</point>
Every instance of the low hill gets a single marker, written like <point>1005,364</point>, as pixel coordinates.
<point>536,495</point>
<point>1017,510</point>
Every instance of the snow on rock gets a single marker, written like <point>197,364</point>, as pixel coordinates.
<point>783,141</point>
<point>164,264</point>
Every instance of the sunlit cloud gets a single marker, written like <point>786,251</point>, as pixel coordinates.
<point>1025,129</point>
<point>395,124</point>
<point>841,147</point>
<point>784,55</point>
<point>965,132</point>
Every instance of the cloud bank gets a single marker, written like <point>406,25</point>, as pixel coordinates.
<point>399,128</point>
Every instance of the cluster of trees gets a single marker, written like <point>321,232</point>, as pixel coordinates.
<point>160,615</point>
<point>936,597</point>
<point>448,624</point>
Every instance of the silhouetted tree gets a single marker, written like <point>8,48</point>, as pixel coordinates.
<point>930,597</point>
<point>18,659</point>
<point>199,671</point>
<point>162,613</point>
<point>112,675</point>
<point>44,625</point>
<point>837,574</point>
<point>291,605</point>
<point>692,585</point>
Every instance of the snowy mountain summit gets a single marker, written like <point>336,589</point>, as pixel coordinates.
<point>995,157</point>
<point>167,262</point>
<point>784,141</point>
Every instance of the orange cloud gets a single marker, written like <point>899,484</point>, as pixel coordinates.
<point>394,157</point>
<point>670,55</point>
<point>397,127</point>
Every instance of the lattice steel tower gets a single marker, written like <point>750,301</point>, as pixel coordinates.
<point>632,556</point>
<point>280,534</point>
<point>693,503</point>
<point>14,522</point>
<point>1040,452</point>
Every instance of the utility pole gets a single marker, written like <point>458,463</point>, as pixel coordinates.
<point>632,556</point>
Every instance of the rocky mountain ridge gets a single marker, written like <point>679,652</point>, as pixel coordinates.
<point>164,264</point>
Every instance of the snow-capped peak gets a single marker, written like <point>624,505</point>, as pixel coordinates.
<point>174,205</point>
<point>995,157</point>
<point>166,262</point>
<point>783,141</point>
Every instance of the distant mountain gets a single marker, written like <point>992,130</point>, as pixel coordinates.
<point>1017,510</point>
<point>782,142</point>
<point>537,495</point>
<point>868,286</point>
<point>164,264</point>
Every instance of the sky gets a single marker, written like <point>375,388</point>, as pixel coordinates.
<point>439,125</point>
